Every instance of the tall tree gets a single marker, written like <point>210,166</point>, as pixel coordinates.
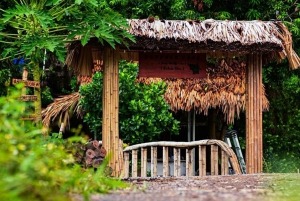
<point>31,27</point>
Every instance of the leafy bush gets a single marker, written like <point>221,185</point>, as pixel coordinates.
<point>47,97</point>
<point>37,168</point>
<point>143,112</point>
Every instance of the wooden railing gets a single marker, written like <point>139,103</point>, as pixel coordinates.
<point>225,155</point>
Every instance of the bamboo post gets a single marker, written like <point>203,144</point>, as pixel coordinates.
<point>153,161</point>
<point>126,164</point>
<point>189,162</point>
<point>110,126</point>
<point>214,160</point>
<point>165,161</point>
<point>177,168</point>
<point>202,160</point>
<point>175,161</point>
<point>224,163</point>
<point>144,162</point>
<point>134,163</point>
<point>254,150</point>
<point>121,157</point>
<point>178,163</point>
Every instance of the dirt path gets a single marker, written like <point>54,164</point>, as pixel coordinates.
<point>265,187</point>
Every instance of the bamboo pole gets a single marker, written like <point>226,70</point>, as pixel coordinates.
<point>134,163</point>
<point>153,161</point>
<point>110,127</point>
<point>202,160</point>
<point>165,161</point>
<point>126,164</point>
<point>254,114</point>
<point>260,126</point>
<point>144,162</point>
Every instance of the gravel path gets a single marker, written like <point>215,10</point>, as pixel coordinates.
<point>265,187</point>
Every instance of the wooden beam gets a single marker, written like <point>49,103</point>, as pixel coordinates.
<point>254,150</point>
<point>110,125</point>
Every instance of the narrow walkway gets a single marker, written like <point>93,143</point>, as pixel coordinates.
<point>262,187</point>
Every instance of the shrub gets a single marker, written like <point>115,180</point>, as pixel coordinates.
<point>34,167</point>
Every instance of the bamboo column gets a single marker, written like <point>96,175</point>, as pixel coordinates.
<point>110,127</point>
<point>254,150</point>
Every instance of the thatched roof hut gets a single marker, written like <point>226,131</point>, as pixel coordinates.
<point>224,86</point>
<point>216,38</point>
<point>256,41</point>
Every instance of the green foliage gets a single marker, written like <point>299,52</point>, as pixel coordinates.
<point>281,123</point>
<point>38,168</point>
<point>47,97</point>
<point>143,112</point>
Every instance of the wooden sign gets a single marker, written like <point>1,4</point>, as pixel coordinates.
<point>29,117</point>
<point>28,98</point>
<point>27,83</point>
<point>172,65</point>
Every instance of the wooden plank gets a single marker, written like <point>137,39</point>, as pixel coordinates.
<point>27,98</point>
<point>189,162</point>
<point>202,160</point>
<point>153,161</point>
<point>178,163</point>
<point>29,117</point>
<point>175,150</point>
<point>134,163</point>
<point>126,164</point>
<point>165,161</point>
<point>216,163</point>
<point>172,65</point>
<point>144,162</point>
<point>214,159</point>
<point>27,83</point>
<point>224,163</point>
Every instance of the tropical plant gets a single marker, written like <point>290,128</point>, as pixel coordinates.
<point>32,27</point>
<point>143,115</point>
<point>35,167</point>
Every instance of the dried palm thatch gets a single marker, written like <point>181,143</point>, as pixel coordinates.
<point>226,37</point>
<point>63,108</point>
<point>223,88</point>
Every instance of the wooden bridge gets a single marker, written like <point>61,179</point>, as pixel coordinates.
<point>219,154</point>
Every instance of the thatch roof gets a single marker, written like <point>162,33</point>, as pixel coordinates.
<point>230,37</point>
<point>62,108</point>
<point>224,88</point>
